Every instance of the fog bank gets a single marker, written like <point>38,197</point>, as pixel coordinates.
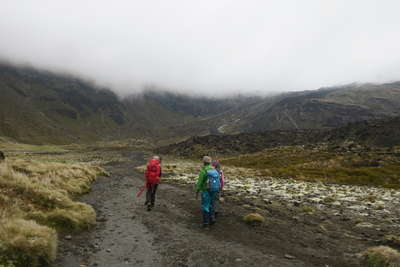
<point>207,47</point>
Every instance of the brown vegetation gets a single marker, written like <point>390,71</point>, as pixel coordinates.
<point>381,256</point>
<point>319,164</point>
<point>35,201</point>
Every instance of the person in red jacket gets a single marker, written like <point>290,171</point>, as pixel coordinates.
<point>153,175</point>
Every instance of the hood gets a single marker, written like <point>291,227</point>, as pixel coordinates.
<point>154,162</point>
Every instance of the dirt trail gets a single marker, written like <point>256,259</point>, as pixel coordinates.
<point>119,238</point>
<point>170,235</point>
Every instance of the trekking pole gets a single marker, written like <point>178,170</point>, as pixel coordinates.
<point>140,191</point>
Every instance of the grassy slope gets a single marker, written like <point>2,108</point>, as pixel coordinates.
<point>36,201</point>
<point>39,107</point>
<point>376,168</point>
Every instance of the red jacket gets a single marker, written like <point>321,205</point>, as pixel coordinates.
<point>153,172</point>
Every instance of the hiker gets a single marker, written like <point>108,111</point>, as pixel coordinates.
<point>153,175</point>
<point>208,184</point>
<point>217,203</point>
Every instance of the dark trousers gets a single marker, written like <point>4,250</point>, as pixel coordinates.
<point>151,194</point>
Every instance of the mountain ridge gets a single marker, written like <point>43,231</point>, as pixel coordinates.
<point>370,134</point>
<point>43,107</point>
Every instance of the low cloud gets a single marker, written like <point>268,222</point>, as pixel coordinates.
<point>207,47</point>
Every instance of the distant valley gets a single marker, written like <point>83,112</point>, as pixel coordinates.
<point>42,107</point>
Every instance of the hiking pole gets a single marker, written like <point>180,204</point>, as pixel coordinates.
<point>140,191</point>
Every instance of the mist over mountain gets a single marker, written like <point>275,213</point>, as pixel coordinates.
<point>39,106</point>
<point>205,47</point>
<point>43,107</point>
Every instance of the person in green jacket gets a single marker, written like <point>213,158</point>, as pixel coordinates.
<point>207,195</point>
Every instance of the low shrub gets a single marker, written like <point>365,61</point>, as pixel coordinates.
<point>380,256</point>
<point>254,218</point>
<point>307,209</point>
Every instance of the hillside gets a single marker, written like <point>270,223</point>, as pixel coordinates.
<point>325,108</point>
<point>38,106</point>
<point>331,107</point>
<point>42,107</point>
<point>374,133</point>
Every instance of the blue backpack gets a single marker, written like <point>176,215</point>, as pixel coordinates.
<point>213,180</point>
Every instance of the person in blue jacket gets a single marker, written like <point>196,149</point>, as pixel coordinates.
<point>208,184</point>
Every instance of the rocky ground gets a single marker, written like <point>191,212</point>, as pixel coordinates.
<point>305,224</point>
<point>361,203</point>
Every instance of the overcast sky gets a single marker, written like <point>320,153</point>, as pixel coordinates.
<point>211,47</point>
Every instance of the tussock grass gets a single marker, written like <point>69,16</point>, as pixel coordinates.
<point>26,243</point>
<point>329,199</point>
<point>380,256</point>
<point>253,218</point>
<point>307,209</point>
<point>36,200</point>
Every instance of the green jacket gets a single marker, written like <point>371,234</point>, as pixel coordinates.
<point>201,181</point>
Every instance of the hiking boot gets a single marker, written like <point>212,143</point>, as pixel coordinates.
<point>146,203</point>
<point>149,208</point>
<point>212,222</point>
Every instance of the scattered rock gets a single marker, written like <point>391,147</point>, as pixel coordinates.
<point>108,250</point>
<point>348,202</point>
<point>321,229</point>
<point>393,240</point>
<point>254,218</point>
<point>364,225</point>
<point>356,207</point>
<point>101,219</point>
<point>68,237</point>
<point>290,257</point>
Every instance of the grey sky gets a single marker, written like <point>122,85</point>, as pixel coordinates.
<point>211,47</point>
